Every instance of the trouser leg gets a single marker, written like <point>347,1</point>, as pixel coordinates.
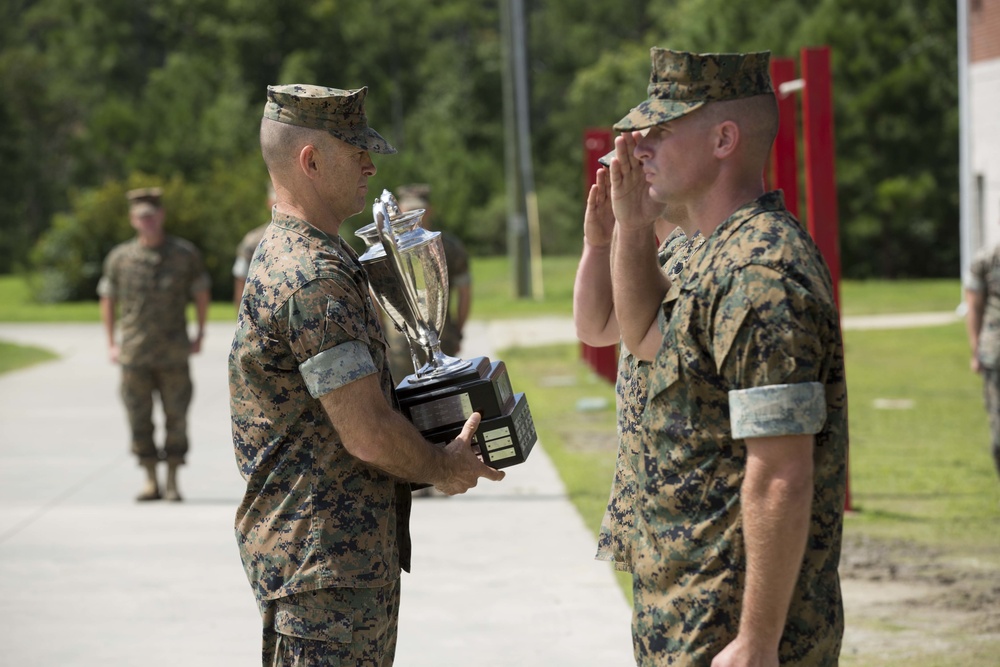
<point>991,396</point>
<point>175,388</point>
<point>333,626</point>
<point>137,394</point>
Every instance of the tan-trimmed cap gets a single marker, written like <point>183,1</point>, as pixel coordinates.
<point>413,196</point>
<point>339,112</point>
<point>680,82</point>
<point>144,201</point>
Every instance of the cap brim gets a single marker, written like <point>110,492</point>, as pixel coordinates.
<point>365,138</point>
<point>378,144</point>
<point>655,112</point>
<point>605,160</point>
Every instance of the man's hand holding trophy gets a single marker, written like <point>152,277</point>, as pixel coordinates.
<point>408,276</point>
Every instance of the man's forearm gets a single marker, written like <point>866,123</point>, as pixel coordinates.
<point>776,505</point>
<point>107,306</point>
<point>638,287</point>
<point>593,300</point>
<point>974,303</point>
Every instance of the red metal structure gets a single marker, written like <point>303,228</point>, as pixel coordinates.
<point>817,138</point>
<point>597,143</point>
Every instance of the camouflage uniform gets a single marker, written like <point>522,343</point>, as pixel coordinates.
<point>152,287</point>
<point>313,516</point>
<point>752,349</point>
<point>984,276</point>
<point>616,536</point>
<point>321,534</point>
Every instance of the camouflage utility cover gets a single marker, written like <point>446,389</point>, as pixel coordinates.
<point>755,309</point>
<point>313,515</point>
<point>339,112</point>
<point>152,288</point>
<point>616,537</point>
<point>984,276</point>
<point>680,82</point>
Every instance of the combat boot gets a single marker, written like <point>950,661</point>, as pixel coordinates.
<point>172,494</point>
<point>151,490</point>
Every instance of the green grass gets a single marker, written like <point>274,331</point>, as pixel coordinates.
<point>13,357</point>
<point>874,297</point>
<point>921,473</point>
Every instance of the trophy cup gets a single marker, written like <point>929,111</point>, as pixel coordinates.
<point>408,275</point>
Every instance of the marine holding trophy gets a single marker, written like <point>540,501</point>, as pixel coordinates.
<point>323,526</point>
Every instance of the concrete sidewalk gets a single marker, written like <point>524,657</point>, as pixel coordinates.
<point>501,576</point>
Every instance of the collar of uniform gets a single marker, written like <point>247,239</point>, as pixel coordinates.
<point>298,225</point>
<point>767,202</point>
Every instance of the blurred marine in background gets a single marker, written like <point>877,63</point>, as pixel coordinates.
<point>149,281</point>
<point>982,318</point>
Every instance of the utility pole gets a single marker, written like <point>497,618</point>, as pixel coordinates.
<point>523,246</point>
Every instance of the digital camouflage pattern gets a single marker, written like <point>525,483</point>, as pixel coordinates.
<point>339,112</point>
<point>680,82</point>
<point>984,276</point>
<point>615,540</point>
<point>313,515</point>
<point>333,626</point>
<point>174,387</point>
<point>152,288</point>
<point>755,309</point>
<point>991,397</point>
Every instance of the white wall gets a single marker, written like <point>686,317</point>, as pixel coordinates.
<point>984,103</point>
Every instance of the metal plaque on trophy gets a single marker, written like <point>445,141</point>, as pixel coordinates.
<point>409,278</point>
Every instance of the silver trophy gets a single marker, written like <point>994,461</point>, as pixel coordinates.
<point>408,275</point>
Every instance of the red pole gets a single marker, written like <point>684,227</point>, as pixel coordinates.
<point>784,167</point>
<point>598,142</point>
<point>821,180</point>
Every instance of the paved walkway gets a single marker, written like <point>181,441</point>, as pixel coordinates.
<point>502,576</point>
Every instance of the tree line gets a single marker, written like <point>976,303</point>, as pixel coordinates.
<point>100,97</point>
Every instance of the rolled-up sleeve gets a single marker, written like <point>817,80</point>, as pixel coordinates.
<point>769,348</point>
<point>782,409</point>
<point>336,367</point>
<point>326,329</point>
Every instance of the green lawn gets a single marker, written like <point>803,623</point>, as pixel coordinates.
<point>13,357</point>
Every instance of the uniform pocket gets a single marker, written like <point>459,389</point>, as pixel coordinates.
<point>324,625</point>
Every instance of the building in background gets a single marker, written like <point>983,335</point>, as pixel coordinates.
<point>979,78</point>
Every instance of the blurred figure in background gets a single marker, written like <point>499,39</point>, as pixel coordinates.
<point>245,250</point>
<point>150,280</point>
<point>982,321</point>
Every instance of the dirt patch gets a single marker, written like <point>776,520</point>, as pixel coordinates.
<point>914,605</point>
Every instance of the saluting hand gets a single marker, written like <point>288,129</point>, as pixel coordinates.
<point>599,219</point>
<point>630,200</point>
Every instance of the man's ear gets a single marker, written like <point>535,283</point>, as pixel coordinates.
<point>307,162</point>
<point>727,138</point>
